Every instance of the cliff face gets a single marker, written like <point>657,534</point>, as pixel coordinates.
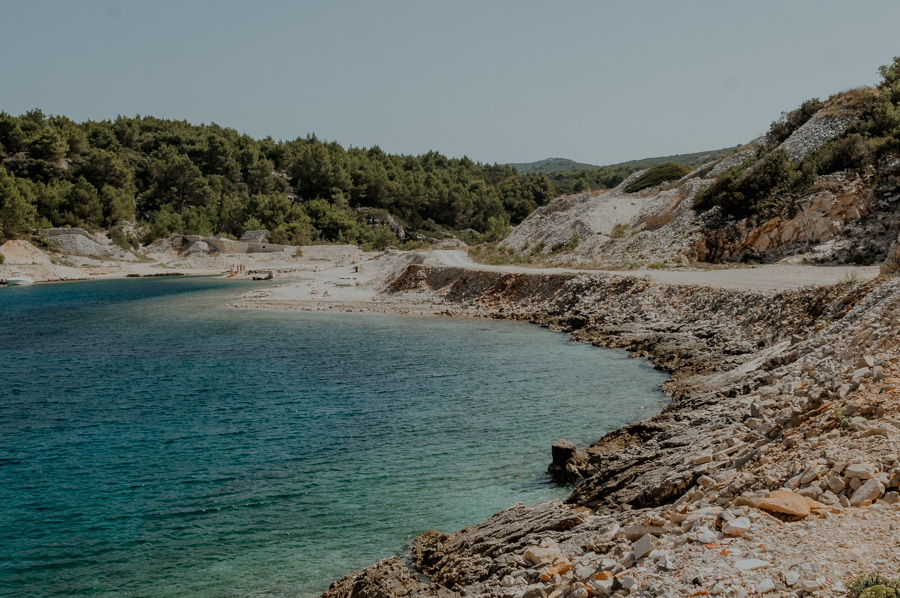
<point>850,218</point>
<point>772,391</point>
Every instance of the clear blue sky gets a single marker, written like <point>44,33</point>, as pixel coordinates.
<point>597,82</point>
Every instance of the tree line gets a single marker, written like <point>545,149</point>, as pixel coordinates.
<point>171,176</point>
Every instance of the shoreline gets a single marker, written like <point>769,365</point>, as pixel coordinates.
<point>697,461</point>
<point>773,388</point>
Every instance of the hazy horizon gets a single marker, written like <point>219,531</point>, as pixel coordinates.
<point>498,82</point>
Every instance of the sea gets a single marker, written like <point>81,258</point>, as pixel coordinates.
<point>155,442</point>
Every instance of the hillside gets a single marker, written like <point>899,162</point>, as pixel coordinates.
<point>556,165</point>
<point>549,166</point>
<point>172,176</point>
<point>571,177</point>
<point>822,186</point>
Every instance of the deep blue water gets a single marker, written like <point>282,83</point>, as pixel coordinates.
<point>154,442</point>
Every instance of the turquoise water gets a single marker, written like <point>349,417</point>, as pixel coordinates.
<point>156,443</point>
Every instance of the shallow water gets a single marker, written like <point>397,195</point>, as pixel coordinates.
<point>156,443</point>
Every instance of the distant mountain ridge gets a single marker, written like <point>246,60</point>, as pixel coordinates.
<point>549,165</point>
<point>554,165</point>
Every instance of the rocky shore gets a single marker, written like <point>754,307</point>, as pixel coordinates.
<point>774,471</point>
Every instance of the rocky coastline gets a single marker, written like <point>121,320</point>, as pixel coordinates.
<point>774,470</point>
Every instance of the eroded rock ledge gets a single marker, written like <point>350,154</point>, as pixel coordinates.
<point>792,391</point>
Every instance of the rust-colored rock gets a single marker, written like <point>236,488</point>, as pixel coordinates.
<point>560,567</point>
<point>788,503</point>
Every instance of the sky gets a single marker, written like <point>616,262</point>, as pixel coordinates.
<point>498,81</point>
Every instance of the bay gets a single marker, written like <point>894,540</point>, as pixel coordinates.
<point>154,442</point>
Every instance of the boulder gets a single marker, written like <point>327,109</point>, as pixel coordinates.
<point>863,471</point>
<point>751,564</point>
<point>866,361</point>
<point>786,502</point>
<point>564,453</point>
<point>542,555</point>
<point>736,527</point>
<point>872,490</point>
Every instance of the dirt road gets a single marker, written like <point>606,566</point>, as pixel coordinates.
<point>768,276</point>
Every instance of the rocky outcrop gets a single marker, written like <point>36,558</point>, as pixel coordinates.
<point>387,578</point>
<point>851,218</point>
<point>891,265</point>
<point>818,218</point>
<point>785,408</point>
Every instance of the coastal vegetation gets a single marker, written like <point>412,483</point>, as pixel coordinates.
<point>656,175</point>
<point>571,177</point>
<point>768,181</point>
<point>173,176</point>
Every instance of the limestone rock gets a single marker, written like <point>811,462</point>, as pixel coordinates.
<point>786,503</point>
<point>736,527</point>
<point>751,564</point>
<point>863,471</point>
<point>643,546</point>
<point>866,361</point>
<point>385,579</point>
<point>542,555</point>
<point>872,490</point>
<point>560,567</point>
<point>765,586</point>
<point>891,265</point>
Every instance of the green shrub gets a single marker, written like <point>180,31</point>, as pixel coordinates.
<point>661,173</point>
<point>117,236</point>
<point>842,420</point>
<point>873,585</point>
<point>743,190</point>
<point>2,258</point>
<point>850,152</point>
<point>879,592</point>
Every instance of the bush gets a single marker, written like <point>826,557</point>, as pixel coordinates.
<point>850,152</point>
<point>2,258</point>
<point>117,236</point>
<point>743,191</point>
<point>661,173</point>
<point>873,585</point>
<point>879,592</point>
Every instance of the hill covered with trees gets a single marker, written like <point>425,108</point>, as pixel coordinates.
<point>550,165</point>
<point>572,177</point>
<point>172,176</point>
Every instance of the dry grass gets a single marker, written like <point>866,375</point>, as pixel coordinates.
<point>656,222</point>
<point>850,100</point>
<point>618,231</point>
